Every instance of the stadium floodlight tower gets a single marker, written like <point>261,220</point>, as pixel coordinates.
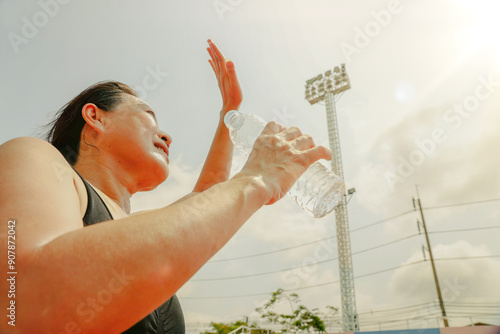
<point>329,87</point>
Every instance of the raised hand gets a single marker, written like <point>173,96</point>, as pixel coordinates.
<point>226,78</point>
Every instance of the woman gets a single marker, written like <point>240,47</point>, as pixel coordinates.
<point>83,263</point>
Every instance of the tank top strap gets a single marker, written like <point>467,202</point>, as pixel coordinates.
<point>97,211</point>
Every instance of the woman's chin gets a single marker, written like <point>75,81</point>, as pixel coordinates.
<point>155,176</point>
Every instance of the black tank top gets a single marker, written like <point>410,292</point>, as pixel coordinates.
<point>168,318</point>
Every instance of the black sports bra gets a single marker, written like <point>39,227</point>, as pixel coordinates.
<point>168,318</point>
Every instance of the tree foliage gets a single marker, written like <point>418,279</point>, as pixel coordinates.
<point>223,328</point>
<point>300,319</point>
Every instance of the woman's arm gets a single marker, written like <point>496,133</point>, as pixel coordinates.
<point>106,277</point>
<point>218,163</point>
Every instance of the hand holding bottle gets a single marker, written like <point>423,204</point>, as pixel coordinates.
<point>285,159</point>
<point>280,155</point>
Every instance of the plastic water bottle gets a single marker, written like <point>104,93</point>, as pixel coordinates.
<point>318,190</point>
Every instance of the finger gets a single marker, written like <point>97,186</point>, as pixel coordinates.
<point>303,142</point>
<point>216,50</point>
<point>220,61</point>
<point>290,133</point>
<point>273,128</point>
<point>316,153</point>
<point>213,66</point>
<point>214,60</point>
<point>232,72</point>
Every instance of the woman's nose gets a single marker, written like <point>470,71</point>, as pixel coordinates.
<point>166,137</point>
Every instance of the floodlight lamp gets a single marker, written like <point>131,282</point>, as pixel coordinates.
<point>336,70</point>
<point>328,73</point>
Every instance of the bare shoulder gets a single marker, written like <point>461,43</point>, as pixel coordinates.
<point>27,140</point>
<point>27,148</point>
<point>38,190</point>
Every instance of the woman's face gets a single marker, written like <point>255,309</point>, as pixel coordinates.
<point>132,139</point>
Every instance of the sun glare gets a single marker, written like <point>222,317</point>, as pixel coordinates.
<point>483,32</point>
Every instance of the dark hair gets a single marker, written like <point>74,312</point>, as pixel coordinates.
<point>65,130</point>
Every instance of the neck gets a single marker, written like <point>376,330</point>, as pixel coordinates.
<point>107,180</point>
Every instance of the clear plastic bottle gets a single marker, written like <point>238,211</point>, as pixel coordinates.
<point>318,190</point>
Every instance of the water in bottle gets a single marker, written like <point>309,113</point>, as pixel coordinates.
<point>318,190</point>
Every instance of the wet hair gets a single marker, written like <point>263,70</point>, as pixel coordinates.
<point>66,128</point>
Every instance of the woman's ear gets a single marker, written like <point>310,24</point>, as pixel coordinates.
<point>93,117</point>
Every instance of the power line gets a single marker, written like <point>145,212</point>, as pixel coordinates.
<point>333,282</point>
<point>389,269</point>
<point>461,204</point>
<point>399,308</point>
<point>467,258</point>
<point>273,251</point>
<point>357,229</point>
<point>335,259</point>
<point>310,286</point>
<point>386,244</point>
<point>303,266</point>
<point>465,229</point>
<point>260,274</point>
<point>382,221</point>
<point>310,242</point>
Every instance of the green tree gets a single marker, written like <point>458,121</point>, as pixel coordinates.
<point>300,319</point>
<point>225,328</point>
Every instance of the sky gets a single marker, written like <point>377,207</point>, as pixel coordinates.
<point>421,114</point>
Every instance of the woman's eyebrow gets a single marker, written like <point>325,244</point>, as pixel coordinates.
<point>149,110</point>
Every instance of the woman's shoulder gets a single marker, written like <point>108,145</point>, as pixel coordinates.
<point>22,145</point>
<point>32,156</point>
<point>40,187</point>
<point>30,149</point>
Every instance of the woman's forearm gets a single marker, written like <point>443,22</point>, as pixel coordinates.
<point>217,166</point>
<point>85,277</point>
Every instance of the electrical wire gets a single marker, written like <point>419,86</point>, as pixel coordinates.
<point>273,251</point>
<point>460,204</point>
<point>465,229</point>
<point>467,258</point>
<point>356,277</point>
<point>310,242</point>
<point>362,228</point>
<point>303,266</point>
<point>381,221</point>
<point>386,244</point>
<point>354,253</point>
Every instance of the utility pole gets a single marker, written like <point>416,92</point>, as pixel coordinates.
<point>329,87</point>
<point>429,249</point>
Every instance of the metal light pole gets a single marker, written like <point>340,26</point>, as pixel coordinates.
<point>330,87</point>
